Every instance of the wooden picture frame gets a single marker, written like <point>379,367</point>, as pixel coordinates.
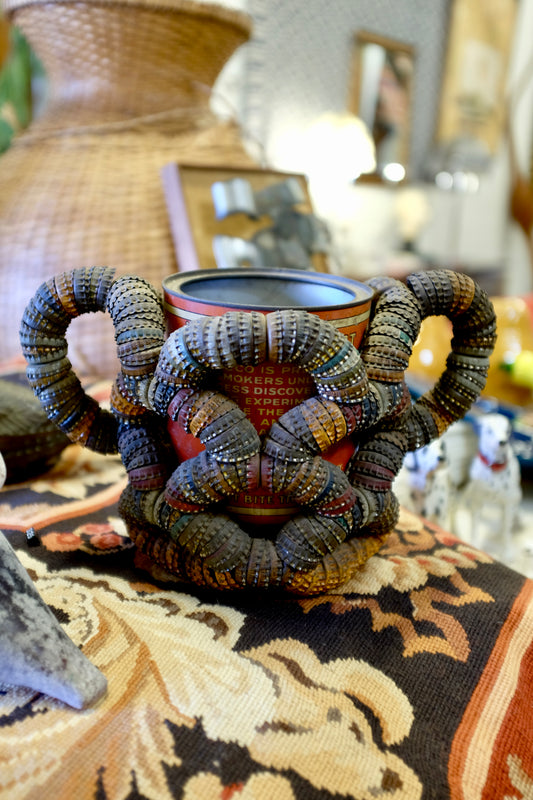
<point>381,95</point>
<point>192,214</point>
<point>472,102</point>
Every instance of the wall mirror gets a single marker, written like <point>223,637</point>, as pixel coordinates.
<point>381,94</point>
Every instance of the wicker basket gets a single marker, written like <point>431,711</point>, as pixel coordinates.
<point>129,92</point>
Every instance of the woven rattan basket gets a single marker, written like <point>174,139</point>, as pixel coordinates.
<point>129,92</point>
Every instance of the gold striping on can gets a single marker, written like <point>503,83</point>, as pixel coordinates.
<point>344,322</point>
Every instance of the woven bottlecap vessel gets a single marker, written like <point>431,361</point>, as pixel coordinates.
<point>299,414</point>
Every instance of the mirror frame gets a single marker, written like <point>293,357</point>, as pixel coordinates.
<point>360,40</point>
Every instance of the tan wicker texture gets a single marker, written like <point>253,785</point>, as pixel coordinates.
<point>129,92</point>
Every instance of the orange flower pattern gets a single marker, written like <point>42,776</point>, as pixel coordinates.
<point>406,564</point>
<point>90,538</point>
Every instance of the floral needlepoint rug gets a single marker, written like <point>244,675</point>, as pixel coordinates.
<point>413,681</point>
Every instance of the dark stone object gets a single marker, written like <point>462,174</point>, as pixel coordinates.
<point>35,652</point>
<point>29,442</point>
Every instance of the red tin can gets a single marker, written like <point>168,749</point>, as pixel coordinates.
<point>266,391</point>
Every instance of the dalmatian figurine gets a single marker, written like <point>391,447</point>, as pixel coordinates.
<point>493,493</point>
<point>424,483</point>
<point>432,477</point>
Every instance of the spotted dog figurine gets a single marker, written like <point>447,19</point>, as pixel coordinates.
<point>493,493</point>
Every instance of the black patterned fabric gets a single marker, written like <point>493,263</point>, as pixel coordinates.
<point>412,681</point>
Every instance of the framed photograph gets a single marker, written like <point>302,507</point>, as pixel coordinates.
<point>224,218</point>
<point>472,103</point>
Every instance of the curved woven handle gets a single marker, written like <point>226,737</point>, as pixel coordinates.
<point>401,308</point>
<point>43,338</point>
